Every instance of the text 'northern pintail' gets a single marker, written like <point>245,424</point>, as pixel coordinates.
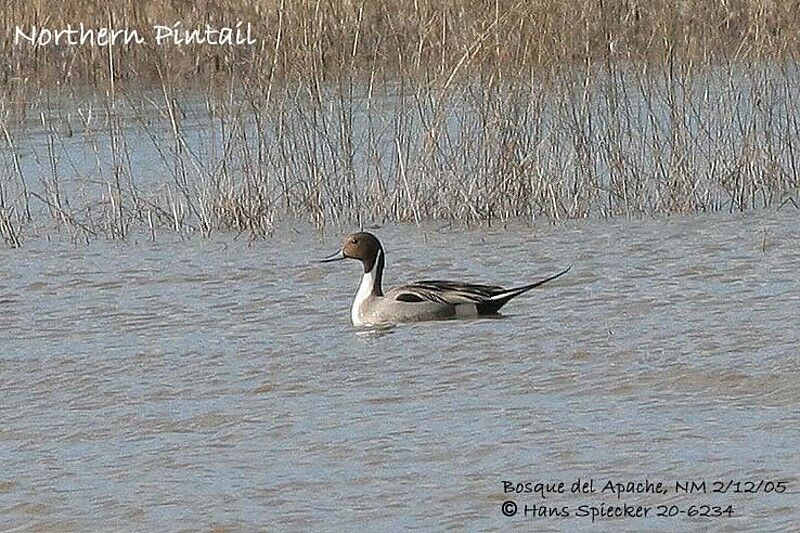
<point>421,300</point>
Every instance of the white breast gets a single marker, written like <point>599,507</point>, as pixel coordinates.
<point>364,291</point>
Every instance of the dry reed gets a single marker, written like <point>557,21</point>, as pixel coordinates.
<point>358,112</point>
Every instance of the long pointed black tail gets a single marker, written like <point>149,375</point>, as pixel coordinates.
<point>493,304</point>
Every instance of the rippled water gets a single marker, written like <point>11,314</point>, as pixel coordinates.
<point>218,383</point>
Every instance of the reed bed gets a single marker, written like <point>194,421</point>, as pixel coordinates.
<point>367,112</point>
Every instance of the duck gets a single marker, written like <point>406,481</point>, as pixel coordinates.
<point>420,300</point>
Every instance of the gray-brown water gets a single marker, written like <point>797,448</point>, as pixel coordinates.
<point>217,383</point>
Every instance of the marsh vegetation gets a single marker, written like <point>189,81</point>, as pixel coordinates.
<point>369,111</point>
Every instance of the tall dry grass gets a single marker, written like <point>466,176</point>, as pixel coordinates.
<point>354,112</point>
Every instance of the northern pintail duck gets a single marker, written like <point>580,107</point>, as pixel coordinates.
<point>422,300</point>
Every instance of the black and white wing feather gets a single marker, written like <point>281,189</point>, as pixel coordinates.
<point>487,298</point>
<point>445,292</point>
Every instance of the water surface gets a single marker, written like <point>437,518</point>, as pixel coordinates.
<point>217,383</point>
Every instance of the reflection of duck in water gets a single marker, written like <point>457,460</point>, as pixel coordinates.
<point>422,300</point>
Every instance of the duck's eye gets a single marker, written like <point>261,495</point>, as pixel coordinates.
<point>353,241</point>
